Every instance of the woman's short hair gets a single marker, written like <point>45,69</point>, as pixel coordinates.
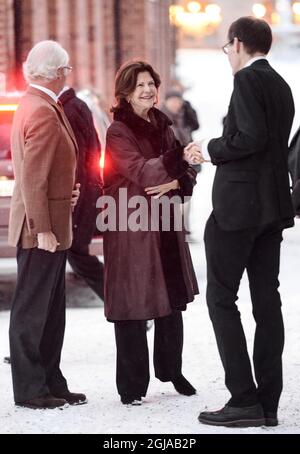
<point>255,34</point>
<point>43,61</point>
<point>126,79</point>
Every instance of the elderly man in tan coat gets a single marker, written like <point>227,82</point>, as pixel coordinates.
<point>44,158</point>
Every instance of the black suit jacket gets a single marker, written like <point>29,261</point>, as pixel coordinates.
<point>294,168</point>
<point>88,170</point>
<point>251,185</point>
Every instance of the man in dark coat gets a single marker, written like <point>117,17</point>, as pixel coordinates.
<point>184,121</point>
<point>190,116</point>
<point>88,174</point>
<point>183,116</point>
<point>251,207</point>
<point>294,168</point>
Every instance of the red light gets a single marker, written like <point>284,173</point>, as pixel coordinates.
<point>102,160</point>
<point>8,107</point>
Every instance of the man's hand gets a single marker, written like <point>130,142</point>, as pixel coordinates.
<point>192,153</point>
<point>162,189</point>
<point>47,241</point>
<point>75,196</point>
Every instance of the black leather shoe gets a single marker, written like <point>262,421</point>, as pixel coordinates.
<point>47,401</point>
<point>131,400</point>
<point>6,359</point>
<point>234,417</point>
<point>271,419</point>
<point>72,398</point>
<point>183,386</point>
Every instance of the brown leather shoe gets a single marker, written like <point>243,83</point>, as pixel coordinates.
<point>47,401</point>
<point>72,398</point>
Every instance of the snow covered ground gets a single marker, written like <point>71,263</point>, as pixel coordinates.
<point>88,359</point>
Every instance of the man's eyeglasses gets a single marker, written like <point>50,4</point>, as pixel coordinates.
<point>225,48</point>
<point>67,69</point>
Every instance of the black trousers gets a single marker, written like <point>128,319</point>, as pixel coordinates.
<point>88,267</point>
<point>37,324</point>
<point>228,254</point>
<point>133,357</point>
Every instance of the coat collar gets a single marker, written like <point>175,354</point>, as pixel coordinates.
<point>36,92</point>
<point>261,62</point>
<point>141,127</point>
<point>45,90</point>
<point>59,110</point>
<point>255,59</point>
<point>67,95</point>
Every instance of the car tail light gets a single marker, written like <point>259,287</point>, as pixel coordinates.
<point>8,107</point>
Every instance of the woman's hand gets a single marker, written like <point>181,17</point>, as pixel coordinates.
<point>162,189</point>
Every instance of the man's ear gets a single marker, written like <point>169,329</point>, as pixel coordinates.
<point>60,73</point>
<point>237,44</point>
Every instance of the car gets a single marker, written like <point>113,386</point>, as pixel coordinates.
<point>8,105</point>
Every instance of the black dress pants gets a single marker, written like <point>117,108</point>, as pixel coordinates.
<point>37,324</point>
<point>133,357</point>
<point>87,266</point>
<point>228,254</point>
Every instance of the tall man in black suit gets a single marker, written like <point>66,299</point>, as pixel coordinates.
<point>251,207</point>
<point>294,168</point>
<point>80,118</point>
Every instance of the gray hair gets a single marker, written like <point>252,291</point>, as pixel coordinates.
<point>43,61</point>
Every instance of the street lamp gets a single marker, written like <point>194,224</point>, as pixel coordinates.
<point>296,7</point>
<point>296,12</point>
<point>259,10</point>
<point>199,18</point>
<point>278,12</point>
<point>194,7</point>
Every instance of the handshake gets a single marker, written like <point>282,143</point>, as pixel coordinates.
<point>193,153</point>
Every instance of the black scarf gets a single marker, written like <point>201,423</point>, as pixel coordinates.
<point>154,131</point>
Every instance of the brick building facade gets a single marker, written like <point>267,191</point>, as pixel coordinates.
<point>99,35</point>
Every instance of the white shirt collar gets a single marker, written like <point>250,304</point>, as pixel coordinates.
<point>252,60</point>
<point>45,90</point>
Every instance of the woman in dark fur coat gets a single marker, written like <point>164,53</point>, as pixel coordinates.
<point>148,274</point>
